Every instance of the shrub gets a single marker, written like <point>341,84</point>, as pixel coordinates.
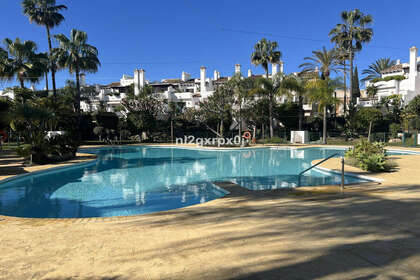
<point>54,149</point>
<point>24,150</point>
<point>369,156</point>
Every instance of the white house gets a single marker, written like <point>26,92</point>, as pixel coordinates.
<point>409,87</point>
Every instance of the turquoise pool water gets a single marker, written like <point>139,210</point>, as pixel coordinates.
<point>136,180</point>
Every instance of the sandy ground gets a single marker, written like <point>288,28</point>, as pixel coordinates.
<point>368,232</point>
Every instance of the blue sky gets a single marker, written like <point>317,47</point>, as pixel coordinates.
<point>168,37</point>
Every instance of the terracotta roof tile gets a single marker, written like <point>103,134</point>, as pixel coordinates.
<point>393,69</point>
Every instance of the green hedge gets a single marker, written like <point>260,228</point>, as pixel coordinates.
<point>389,78</point>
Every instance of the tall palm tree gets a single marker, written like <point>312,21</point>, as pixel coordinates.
<point>375,69</point>
<point>269,89</point>
<point>18,59</point>
<point>325,61</point>
<point>77,55</point>
<point>45,13</point>
<point>266,52</point>
<point>351,35</point>
<point>321,91</point>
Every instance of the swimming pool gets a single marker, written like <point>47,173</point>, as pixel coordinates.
<point>127,181</point>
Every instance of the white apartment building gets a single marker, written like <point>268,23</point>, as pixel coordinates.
<point>407,88</point>
<point>187,90</point>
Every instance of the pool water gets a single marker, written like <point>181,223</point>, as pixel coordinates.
<point>127,181</point>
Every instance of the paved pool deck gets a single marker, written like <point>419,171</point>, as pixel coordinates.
<point>368,232</point>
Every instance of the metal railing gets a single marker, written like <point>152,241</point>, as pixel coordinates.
<point>315,165</point>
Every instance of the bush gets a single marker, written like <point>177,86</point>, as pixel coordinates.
<point>24,151</point>
<point>54,149</point>
<point>369,156</point>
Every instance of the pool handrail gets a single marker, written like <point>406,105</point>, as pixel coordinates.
<point>315,165</point>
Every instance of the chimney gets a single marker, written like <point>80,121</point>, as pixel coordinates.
<point>139,81</point>
<point>136,82</point>
<point>413,68</point>
<point>281,67</point>
<point>237,69</point>
<point>249,73</point>
<point>274,69</point>
<point>215,75</point>
<point>218,75</point>
<point>142,78</point>
<point>202,79</point>
<point>398,62</point>
<point>185,76</point>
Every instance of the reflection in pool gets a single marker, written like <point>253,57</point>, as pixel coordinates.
<point>136,180</point>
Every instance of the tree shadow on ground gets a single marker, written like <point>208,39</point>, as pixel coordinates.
<point>354,236</point>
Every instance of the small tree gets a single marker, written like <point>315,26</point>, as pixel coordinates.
<point>369,116</point>
<point>321,92</point>
<point>217,106</point>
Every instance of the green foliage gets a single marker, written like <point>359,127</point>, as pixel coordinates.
<point>375,69</point>
<point>388,78</point>
<point>324,60</point>
<point>371,91</point>
<point>107,120</point>
<point>75,54</point>
<point>5,106</point>
<point>265,52</point>
<point>54,149</point>
<point>20,60</point>
<point>217,109</point>
<point>287,114</point>
<point>143,114</point>
<point>414,105</point>
<point>24,150</point>
<point>394,128</point>
<point>369,156</point>
<point>355,84</point>
<point>367,115</point>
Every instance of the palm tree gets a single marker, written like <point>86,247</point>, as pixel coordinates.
<point>44,65</point>
<point>325,61</point>
<point>351,34</point>
<point>45,13</point>
<point>297,85</point>
<point>321,91</point>
<point>266,52</point>
<point>19,60</point>
<point>269,89</point>
<point>77,55</point>
<point>342,57</point>
<point>375,69</point>
<point>241,92</point>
